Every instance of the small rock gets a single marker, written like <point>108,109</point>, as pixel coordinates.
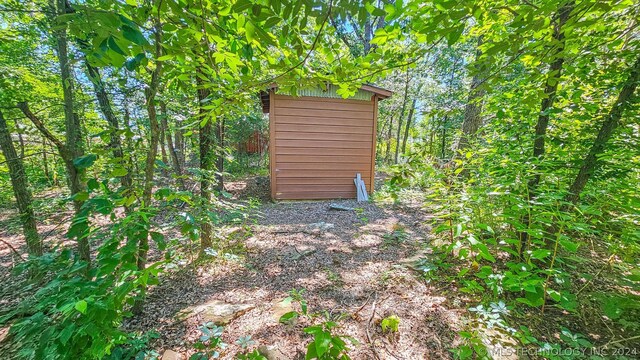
<point>272,353</point>
<point>279,309</point>
<point>340,207</point>
<point>216,311</point>
<point>171,355</point>
<point>318,228</point>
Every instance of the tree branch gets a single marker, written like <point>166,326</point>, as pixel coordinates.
<point>24,107</point>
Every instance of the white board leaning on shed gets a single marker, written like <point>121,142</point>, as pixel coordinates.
<point>361,188</point>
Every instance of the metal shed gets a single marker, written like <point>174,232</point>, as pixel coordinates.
<point>319,141</point>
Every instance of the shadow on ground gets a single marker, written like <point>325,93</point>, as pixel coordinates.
<point>348,262</point>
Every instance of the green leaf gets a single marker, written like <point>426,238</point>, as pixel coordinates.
<point>81,196</point>
<point>250,30</point>
<point>288,317</point>
<point>66,334</point>
<point>390,323</point>
<point>84,162</point>
<point>119,172</point>
<point>114,46</point>
<point>165,57</point>
<point>454,35</point>
<point>133,35</point>
<point>159,239</point>
<point>81,306</point>
<point>322,340</point>
<point>569,245</point>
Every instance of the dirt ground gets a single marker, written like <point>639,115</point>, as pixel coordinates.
<point>352,265</point>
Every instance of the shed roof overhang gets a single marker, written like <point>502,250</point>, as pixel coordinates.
<point>375,90</point>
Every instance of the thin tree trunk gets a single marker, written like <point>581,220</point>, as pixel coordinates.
<point>207,143</point>
<point>114,127</point>
<point>551,87</point>
<point>172,150</point>
<point>408,126</point>
<point>154,135</point>
<point>220,157</point>
<point>45,161</point>
<point>21,190</point>
<point>163,150</point>
<point>410,120</point>
<point>149,171</point>
<point>444,136</point>
<point>401,117</point>
<point>590,163</point>
<point>179,144</point>
<point>387,152</point>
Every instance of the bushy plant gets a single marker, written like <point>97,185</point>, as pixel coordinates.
<point>77,309</point>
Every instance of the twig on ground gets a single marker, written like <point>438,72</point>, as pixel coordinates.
<point>13,249</point>
<point>363,305</point>
<point>373,313</point>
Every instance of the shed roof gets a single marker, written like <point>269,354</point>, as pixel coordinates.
<point>364,93</point>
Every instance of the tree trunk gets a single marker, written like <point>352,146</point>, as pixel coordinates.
<point>163,150</point>
<point>220,157</point>
<point>401,117</point>
<point>590,163</point>
<point>175,161</point>
<point>473,109</point>
<point>179,145</point>
<point>21,190</point>
<point>410,120</point>
<point>45,161</point>
<point>408,126</point>
<point>73,131</point>
<point>131,147</point>
<point>444,137</point>
<point>114,127</point>
<point>207,143</point>
<point>154,135</point>
<point>367,35</point>
<point>387,152</point>
<point>553,78</point>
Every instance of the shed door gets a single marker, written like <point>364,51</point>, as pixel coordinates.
<point>320,144</point>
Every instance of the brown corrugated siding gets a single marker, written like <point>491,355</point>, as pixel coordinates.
<point>318,145</point>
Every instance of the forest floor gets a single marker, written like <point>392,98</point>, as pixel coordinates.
<point>355,268</point>
<point>353,265</point>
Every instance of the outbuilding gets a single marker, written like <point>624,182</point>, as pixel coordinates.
<point>319,141</point>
